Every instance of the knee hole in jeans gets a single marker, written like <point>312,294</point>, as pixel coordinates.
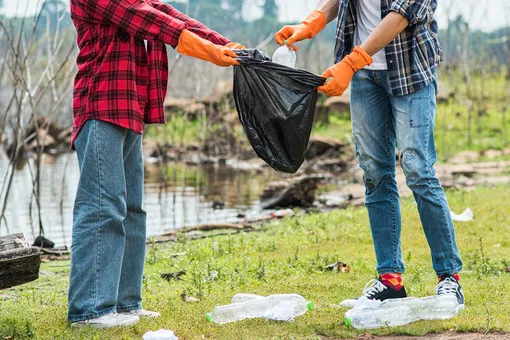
<point>411,166</point>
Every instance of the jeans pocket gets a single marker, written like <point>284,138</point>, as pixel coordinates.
<point>420,113</point>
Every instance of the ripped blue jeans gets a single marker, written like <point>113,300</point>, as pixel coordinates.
<point>381,123</point>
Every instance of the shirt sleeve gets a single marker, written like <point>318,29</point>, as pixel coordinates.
<point>137,18</point>
<point>192,25</point>
<point>416,11</point>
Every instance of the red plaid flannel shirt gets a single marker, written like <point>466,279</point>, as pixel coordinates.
<point>118,81</point>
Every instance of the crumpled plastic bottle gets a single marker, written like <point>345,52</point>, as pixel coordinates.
<point>371,314</point>
<point>285,56</point>
<point>281,307</point>
<point>161,334</point>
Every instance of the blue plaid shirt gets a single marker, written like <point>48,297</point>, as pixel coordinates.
<point>412,55</point>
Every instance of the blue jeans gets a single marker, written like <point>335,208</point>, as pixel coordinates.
<point>109,228</point>
<point>382,122</point>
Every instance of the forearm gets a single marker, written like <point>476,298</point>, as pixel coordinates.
<point>329,8</point>
<point>391,26</point>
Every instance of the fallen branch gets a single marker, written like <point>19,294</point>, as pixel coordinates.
<point>194,237</point>
<point>51,258</point>
<point>55,252</point>
<point>209,227</point>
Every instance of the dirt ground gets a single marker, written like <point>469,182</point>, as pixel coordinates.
<point>447,336</point>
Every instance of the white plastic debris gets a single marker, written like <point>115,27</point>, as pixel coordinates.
<point>332,200</point>
<point>161,334</point>
<point>466,216</point>
<point>281,307</point>
<point>371,314</point>
<point>285,56</point>
<point>350,303</point>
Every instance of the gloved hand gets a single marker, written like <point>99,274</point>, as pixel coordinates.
<point>235,46</point>
<point>310,27</point>
<point>341,74</point>
<point>192,45</point>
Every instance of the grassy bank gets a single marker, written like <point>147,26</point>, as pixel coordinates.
<point>477,119</point>
<point>488,129</point>
<point>289,256</point>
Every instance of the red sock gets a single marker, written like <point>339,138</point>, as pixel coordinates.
<point>456,276</point>
<point>393,280</point>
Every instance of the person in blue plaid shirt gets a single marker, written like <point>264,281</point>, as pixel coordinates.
<point>388,51</point>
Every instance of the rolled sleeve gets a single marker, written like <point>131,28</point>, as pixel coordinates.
<point>416,11</point>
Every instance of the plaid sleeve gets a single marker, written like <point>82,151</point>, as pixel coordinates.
<point>192,25</point>
<point>415,11</point>
<point>137,18</point>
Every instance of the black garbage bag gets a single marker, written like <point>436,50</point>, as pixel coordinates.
<point>276,106</point>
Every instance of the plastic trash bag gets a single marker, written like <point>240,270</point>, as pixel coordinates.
<point>276,106</point>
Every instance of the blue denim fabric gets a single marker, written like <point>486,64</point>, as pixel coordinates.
<point>109,228</point>
<point>381,122</point>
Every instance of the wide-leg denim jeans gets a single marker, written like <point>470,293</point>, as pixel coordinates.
<point>109,227</point>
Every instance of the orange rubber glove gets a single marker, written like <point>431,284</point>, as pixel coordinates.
<point>235,46</point>
<point>340,75</point>
<point>310,27</point>
<point>192,45</point>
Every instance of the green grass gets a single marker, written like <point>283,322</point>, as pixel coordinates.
<point>479,123</point>
<point>288,256</point>
<point>489,131</point>
<point>178,130</point>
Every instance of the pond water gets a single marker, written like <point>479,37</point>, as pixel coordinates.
<point>176,195</point>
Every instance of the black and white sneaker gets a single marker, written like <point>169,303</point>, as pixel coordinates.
<point>376,290</point>
<point>448,285</point>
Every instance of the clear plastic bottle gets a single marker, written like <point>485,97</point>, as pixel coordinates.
<point>285,56</point>
<point>437,307</point>
<point>243,297</point>
<point>283,307</point>
<point>399,312</point>
<point>380,317</point>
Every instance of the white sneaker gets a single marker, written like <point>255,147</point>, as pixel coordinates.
<point>108,321</point>
<point>142,313</point>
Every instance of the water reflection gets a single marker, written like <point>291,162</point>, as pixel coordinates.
<point>176,195</point>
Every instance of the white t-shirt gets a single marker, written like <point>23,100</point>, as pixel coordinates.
<point>368,14</point>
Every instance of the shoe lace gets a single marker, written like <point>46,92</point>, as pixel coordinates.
<point>373,287</point>
<point>447,286</point>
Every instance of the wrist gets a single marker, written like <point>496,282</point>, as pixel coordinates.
<point>360,58</point>
<point>315,22</point>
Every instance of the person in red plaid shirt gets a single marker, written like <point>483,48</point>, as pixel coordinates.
<point>120,86</point>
